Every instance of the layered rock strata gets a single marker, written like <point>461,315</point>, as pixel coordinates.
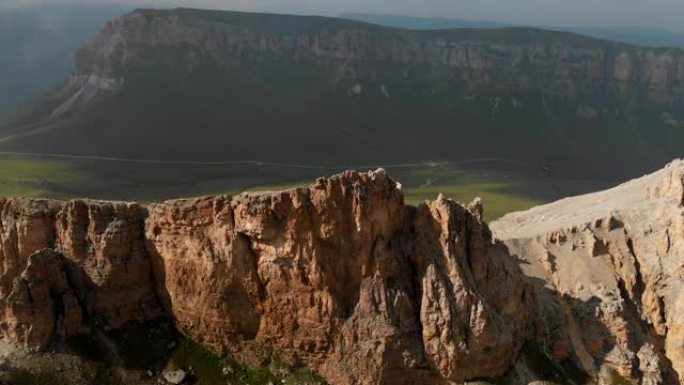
<point>569,65</point>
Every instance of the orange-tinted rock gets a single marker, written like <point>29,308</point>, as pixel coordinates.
<point>344,278</point>
<point>41,304</point>
<point>74,255</point>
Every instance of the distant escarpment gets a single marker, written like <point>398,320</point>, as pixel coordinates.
<point>300,89</point>
<point>345,279</point>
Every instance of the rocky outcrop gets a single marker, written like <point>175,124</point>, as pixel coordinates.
<point>341,277</point>
<point>67,263</point>
<point>344,278</point>
<point>608,270</point>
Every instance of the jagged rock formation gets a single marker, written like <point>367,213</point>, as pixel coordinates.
<point>341,277</point>
<point>532,95</point>
<point>344,278</point>
<point>68,264</point>
<point>608,270</point>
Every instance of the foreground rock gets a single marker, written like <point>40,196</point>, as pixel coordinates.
<point>343,278</point>
<point>608,271</point>
<point>65,264</point>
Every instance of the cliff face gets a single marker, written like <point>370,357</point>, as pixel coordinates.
<point>559,64</point>
<point>65,265</point>
<point>340,277</point>
<point>343,278</point>
<point>295,90</point>
<point>614,262</point>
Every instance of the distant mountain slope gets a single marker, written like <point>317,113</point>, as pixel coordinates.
<point>204,85</point>
<point>635,35</point>
<point>38,44</point>
<point>421,23</point>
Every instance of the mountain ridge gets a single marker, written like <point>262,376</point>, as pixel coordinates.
<point>643,36</point>
<point>526,94</point>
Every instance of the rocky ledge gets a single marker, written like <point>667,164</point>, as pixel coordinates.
<point>344,278</point>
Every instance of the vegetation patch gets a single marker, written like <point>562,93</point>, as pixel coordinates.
<point>87,373</point>
<point>23,177</point>
<point>209,368</point>
<point>497,201</point>
<point>503,188</point>
<point>21,376</point>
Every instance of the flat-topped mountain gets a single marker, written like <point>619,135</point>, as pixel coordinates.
<point>208,85</point>
<point>345,279</point>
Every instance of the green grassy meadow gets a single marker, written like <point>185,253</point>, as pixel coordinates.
<point>502,189</point>
<point>34,178</point>
<point>497,198</point>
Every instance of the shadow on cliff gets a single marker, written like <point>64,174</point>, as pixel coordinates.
<point>571,341</point>
<point>158,279</point>
<point>144,344</point>
<point>538,313</point>
<point>552,352</point>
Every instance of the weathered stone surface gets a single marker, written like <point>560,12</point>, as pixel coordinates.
<point>85,257</point>
<point>609,268</point>
<point>41,304</point>
<point>341,276</point>
<point>344,278</point>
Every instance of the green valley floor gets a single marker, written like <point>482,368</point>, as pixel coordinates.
<point>503,186</point>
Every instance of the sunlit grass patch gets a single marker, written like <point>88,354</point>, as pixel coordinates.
<point>278,187</point>
<point>35,178</point>
<point>497,200</point>
<point>501,191</point>
<point>209,368</point>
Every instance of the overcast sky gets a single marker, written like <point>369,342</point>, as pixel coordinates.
<point>651,13</point>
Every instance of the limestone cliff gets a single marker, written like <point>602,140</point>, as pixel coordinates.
<point>608,270</point>
<point>560,64</point>
<point>222,86</point>
<point>345,279</point>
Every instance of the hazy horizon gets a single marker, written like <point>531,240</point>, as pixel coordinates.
<point>660,14</point>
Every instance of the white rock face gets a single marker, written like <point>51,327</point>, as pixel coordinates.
<point>174,376</point>
<point>81,90</point>
<point>614,260</point>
